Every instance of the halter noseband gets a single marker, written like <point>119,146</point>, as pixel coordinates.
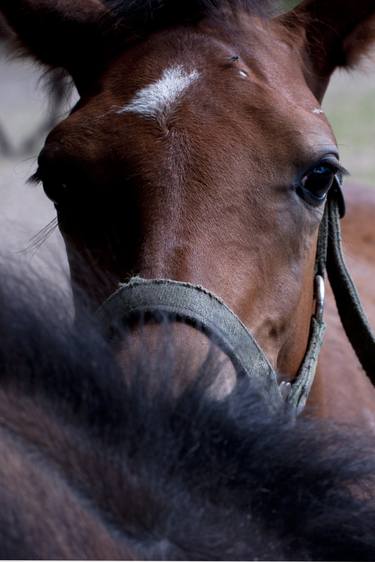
<point>197,306</point>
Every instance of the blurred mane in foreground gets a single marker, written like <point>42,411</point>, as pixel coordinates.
<point>98,463</point>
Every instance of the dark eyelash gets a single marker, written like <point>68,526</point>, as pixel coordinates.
<point>341,170</point>
<point>35,178</point>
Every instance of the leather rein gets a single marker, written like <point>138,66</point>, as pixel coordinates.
<point>194,305</point>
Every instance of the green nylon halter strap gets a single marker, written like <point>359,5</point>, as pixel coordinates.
<point>352,315</point>
<point>205,311</point>
<point>330,259</point>
<point>192,304</point>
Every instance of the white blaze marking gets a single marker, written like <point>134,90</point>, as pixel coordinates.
<point>157,99</point>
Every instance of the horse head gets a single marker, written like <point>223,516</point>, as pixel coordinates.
<point>198,150</point>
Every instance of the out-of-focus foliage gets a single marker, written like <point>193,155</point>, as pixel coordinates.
<point>350,107</point>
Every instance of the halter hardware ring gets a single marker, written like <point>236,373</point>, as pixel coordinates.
<point>320,293</point>
<point>285,388</point>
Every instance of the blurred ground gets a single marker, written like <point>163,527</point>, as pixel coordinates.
<point>24,210</point>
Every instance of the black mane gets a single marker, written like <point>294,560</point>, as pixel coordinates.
<point>138,17</point>
<point>86,449</point>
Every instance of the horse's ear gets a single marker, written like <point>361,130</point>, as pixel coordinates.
<point>334,33</point>
<point>59,33</point>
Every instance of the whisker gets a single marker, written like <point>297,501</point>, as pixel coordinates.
<point>41,237</point>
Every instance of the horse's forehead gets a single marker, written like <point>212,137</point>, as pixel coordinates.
<point>151,83</point>
<point>159,97</point>
<point>151,78</point>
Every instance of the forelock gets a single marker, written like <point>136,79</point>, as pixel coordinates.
<point>138,16</point>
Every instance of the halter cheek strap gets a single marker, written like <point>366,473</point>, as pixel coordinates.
<point>330,260</point>
<point>195,305</point>
<point>349,306</point>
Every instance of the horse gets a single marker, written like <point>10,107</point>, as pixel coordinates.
<point>198,163</point>
<point>199,153</point>
<point>102,463</point>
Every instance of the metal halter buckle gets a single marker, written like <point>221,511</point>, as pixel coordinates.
<point>320,292</point>
<point>285,388</point>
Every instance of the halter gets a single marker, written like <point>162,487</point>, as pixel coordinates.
<point>196,306</point>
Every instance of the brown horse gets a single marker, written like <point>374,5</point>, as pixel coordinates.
<point>199,152</point>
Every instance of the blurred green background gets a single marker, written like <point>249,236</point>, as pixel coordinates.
<point>350,106</point>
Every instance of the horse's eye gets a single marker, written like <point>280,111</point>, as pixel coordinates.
<point>316,184</point>
<point>56,190</point>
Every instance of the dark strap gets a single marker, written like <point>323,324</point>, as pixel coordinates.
<point>199,307</point>
<point>202,309</point>
<point>300,389</point>
<point>329,259</point>
<point>352,315</point>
